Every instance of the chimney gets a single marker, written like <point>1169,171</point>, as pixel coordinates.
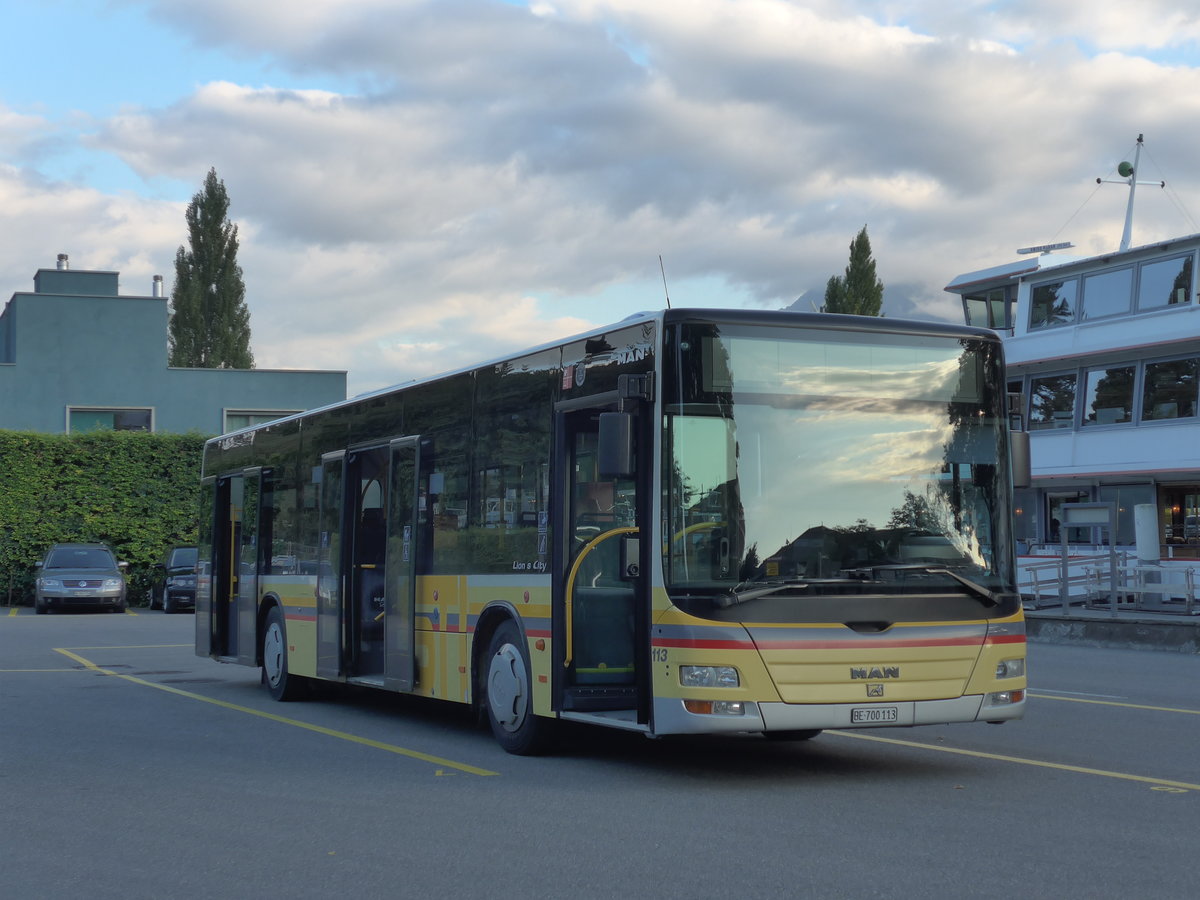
<point>158,286</point>
<point>63,263</point>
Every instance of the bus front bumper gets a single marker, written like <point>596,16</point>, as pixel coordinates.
<point>670,716</point>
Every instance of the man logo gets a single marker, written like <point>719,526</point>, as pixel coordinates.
<point>874,690</point>
<point>875,672</point>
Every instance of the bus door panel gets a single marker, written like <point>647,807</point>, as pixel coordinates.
<point>600,588</point>
<point>227,540</point>
<point>226,534</point>
<point>205,641</point>
<point>400,591</point>
<point>366,571</point>
<point>245,612</point>
<point>329,566</point>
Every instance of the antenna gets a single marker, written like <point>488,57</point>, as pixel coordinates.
<point>1128,175</point>
<point>664,275</point>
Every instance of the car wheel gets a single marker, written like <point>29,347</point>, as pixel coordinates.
<point>39,608</point>
<point>508,696</point>
<point>168,605</point>
<point>281,684</point>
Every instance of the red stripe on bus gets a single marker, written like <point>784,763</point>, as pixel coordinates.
<point>693,643</point>
<point>881,643</point>
<point>1007,639</point>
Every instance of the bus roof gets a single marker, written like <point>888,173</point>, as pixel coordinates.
<point>780,317</point>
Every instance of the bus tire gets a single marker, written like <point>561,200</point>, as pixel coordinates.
<point>797,734</point>
<point>508,696</point>
<point>281,684</point>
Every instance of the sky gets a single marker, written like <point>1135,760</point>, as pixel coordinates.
<point>421,185</point>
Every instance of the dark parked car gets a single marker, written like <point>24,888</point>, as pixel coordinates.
<point>82,575</point>
<point>174,586</point>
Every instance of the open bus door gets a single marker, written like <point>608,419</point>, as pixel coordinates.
<point>366,580</point>
<point>329,566</point>
<point>601,555</point>
<point>227,598</point>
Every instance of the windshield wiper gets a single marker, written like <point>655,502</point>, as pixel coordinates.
<point>740,593</point>
<point>988,596</point>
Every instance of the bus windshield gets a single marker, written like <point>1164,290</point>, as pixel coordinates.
<point>813,474</point>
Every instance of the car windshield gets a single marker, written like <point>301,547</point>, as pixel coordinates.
<point>183,558</point>
<point>80,558</point>
<point>806,471</point>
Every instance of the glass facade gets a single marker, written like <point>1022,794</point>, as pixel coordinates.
<point>1155,284</point>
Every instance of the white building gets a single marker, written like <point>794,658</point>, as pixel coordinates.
<point>1105,354</point>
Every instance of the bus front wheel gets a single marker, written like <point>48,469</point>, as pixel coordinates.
<point>281,684</point>
<point>508,694</point>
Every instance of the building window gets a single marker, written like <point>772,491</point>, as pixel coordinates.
<point>1165,283</point>
<point>244,418</point>
<point>1107,293</point>
<point>1053,304</point>
<point>1052,401</point>
<point>988,309</point>
<point>1109,398</point>
<point>1126,497</point>
<point>1169,391</point>
<point>90,418</point>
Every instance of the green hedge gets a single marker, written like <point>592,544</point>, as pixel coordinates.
<point>139,493</point>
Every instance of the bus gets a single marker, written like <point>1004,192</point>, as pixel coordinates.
<point>693,521</point>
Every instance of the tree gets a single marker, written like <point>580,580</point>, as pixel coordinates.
<point>859,292</point>
<point>210,324</point>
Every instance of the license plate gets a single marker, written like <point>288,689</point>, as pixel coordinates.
<point>874,715</point>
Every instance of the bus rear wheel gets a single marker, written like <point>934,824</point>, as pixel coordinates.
<point>508,696</point>
<point>281,684</point>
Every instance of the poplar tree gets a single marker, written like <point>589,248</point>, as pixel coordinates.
<point>209,327</point>
<point>859,292</point>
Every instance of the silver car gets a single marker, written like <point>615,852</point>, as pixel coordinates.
<point>80,575</point>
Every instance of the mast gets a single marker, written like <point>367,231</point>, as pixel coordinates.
<point>1128,175</point>
<point>1128,232</point>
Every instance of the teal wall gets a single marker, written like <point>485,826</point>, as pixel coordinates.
<point>68,347</point>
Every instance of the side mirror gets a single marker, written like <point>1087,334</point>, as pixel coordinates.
<point>1022,468</point>
<point>614,449</point>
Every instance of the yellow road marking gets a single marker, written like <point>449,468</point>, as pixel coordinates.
<point>132,646</point>
<point>13,611</point>
<point>1186,712</point>
<point>319,729</point>
<point>1043,764</point>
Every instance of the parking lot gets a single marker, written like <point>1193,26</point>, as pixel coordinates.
<point>132,768</point>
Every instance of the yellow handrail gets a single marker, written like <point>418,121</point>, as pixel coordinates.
<point>587,548</point>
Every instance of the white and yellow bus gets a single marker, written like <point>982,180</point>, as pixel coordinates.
<point>690,522</point>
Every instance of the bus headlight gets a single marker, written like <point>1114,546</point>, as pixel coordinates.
<point>708,676</point>
<point>1010,668</point>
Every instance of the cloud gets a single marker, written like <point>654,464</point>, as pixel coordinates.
<point>484,166</point>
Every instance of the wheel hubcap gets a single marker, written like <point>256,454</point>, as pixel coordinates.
<point>273,654</point>
<point>508,692</point>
